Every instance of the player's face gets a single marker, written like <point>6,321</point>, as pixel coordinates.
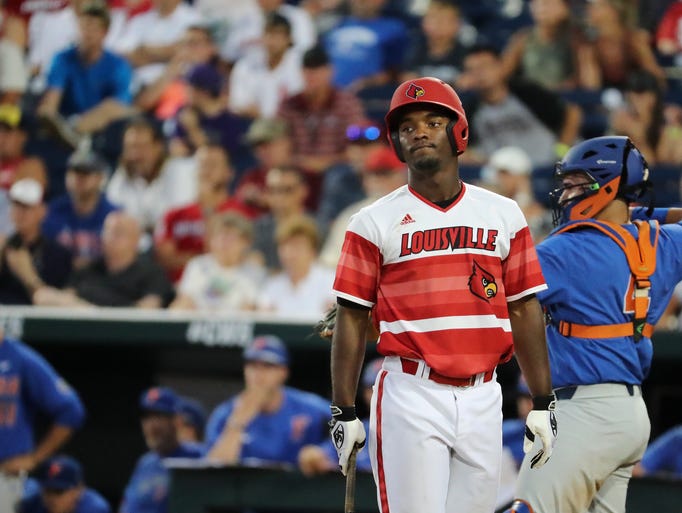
<point>573,185</point>
<point>262,375</point>
<point>424,140</point>
<point>159,430</point>
<point>61,501</point>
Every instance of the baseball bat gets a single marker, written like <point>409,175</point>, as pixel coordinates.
<point>349,504</point>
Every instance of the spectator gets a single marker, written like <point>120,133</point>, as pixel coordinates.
<point>88,87</point>
<point>180,235</point>
<point>381,174</point>
<point>285,195</point>
<point>13,70</point>
<point>262,79</point>
<point>14,132</point>
<point>366,48</point>
<point>509,169</point>
<point>221,280</point>
<point>668,38</point>
<point>63,490</point>
<point>167,94</point>
<point>318,116</point>
<point>192,416</point>
<point>546,52</point>
<point>31,386</point>
<point>437,51</point>
<point>120,277</point>
<point>267,422</point>
<point>147,490</point>
<point>663,456</point>
<point>616,47</point>
<point>205,117</point>
<point>247,29</point>
<point>147,182</point>
<point>303,288</point>
<point>75,220</point>
<point>318,459</point>
<point>122,13</point>
<point>514,114</point>
<point>29,259</point>
<point>150,40</point>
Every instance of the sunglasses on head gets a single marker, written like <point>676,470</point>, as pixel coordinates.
<point>362,133</point>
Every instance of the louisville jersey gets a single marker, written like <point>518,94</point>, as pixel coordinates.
<point>578,294</point>
<point>439,279</point>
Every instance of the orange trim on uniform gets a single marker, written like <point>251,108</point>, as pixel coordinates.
<point>411,367</point>
<point>381,488</point>
<point>626,329</point>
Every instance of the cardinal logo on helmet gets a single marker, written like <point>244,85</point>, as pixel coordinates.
<point>414,91</point>
<point>482,283</point>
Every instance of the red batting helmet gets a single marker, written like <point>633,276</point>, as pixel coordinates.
<point>428,91</point>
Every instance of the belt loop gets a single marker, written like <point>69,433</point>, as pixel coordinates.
<point>630,388</point>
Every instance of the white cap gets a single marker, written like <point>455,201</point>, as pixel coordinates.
<point>511,159</point>
<point>26,191</point>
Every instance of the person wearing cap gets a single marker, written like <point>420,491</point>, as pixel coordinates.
<point>381,174</point>
<point>267,422</point>
<point>62,489</point>
<point>147,489</point>
<point>261,79</point>
<point>30,260</point>
<point>76,219</point>
<point>14,131</point>
<point>192,420</point>
<point>31,386</point>
<point>205,117</point>
<point>181,233</point>
<point>88,86</point>
<point>318,116</point>
<point>317,459</point>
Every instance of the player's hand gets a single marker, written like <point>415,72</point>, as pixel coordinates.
<point>346,431</point>
<point>18,464</point>
<point>541,422</point>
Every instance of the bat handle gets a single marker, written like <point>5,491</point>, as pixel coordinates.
<point>349,505</point>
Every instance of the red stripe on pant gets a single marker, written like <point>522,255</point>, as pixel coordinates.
<point>383,497</point>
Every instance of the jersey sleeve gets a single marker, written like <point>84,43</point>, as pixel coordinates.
<point>57,75</point>
<point>521,269</point>
<point>51,393</point>
<point>216,424</point>
<point>357,273</point>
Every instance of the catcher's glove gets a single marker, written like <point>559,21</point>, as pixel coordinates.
<point>325,327</point>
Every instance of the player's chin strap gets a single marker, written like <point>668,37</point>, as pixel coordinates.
<point>641,257</point>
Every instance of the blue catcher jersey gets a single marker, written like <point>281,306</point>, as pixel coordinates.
<point>590,283</point>
<point>29,385</point>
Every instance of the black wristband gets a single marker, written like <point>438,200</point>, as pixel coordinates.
<point>543,402</point>
<point>343,413</point>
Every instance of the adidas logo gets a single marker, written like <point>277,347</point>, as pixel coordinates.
<point>407,219</point>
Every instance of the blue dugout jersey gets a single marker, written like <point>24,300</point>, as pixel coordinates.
<point>90,502</point>
<point>589,282</point>
<point>664,454</point>
<point>513,431</point>
<point>28,385</point>
<point>147,490</point>
<point>278,437</point>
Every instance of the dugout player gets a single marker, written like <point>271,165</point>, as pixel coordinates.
<point>609,282</point>
<point>451,273</point>
<point>29,386</point>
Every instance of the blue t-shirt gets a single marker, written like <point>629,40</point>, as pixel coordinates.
<point>28,385</point>
<point>80,235</point>
<point>90,502</point>
<point>276,437</point>
<point>84,86</point>
<point>664,455</point>
<point>147,490</point>
<point>590,283</point>
<point>512,437</point>
<point>360,48</point>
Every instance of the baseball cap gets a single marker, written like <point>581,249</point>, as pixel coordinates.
<point>193,412</point>
<point>27,191</point>
<point>511,159</point>
<point>369,375</point>
<point>381,160</point>
<point>87,162</point>
<point>265,130</point>
<point>60,473</point>
<point>206,78</point>
<point>315,57</point>
<point>12,117</point>
<point>159,400</point>
<point>267,349</point>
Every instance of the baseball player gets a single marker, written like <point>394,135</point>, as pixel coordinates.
<point>609,283</point>
<point>451,273</point>
<point>28,386</point>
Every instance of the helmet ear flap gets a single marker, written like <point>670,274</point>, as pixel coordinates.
<point>457,141</point>
<point>395,142</point>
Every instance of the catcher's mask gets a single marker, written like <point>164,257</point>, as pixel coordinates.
<point>594,173</point>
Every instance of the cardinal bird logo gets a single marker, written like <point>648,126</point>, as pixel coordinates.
<point>414,91</point>
<point>482,283</point>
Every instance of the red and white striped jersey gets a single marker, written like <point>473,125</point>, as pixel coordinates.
<point>440,279</point>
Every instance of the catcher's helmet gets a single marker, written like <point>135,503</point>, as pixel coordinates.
<point>428,91</point>
<point>613,167</point>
